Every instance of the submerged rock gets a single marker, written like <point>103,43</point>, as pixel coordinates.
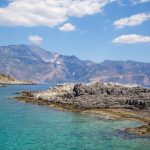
<point>143,130</point>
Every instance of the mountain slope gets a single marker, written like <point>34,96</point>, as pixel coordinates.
<point>124,72</point>
<point>33,63</point>
<point>29,62</point>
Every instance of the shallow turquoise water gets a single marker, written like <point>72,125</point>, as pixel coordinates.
<point>32,127</point>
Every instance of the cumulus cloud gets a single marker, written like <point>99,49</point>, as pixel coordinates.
<point>35,39</point>
<point>48,12</point>
<point>132,38</point>
<point>132,20</point>
<point>139,1</point>
<point>67,27</point>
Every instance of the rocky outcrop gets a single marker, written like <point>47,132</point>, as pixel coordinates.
<point>97,95</point>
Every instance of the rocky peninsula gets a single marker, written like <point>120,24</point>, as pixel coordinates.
<point>9,80</point>
<point>2,85</point>
<point>113,100</point>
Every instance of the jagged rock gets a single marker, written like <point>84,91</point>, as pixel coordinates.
<point>97,95</point>
<point>138,103</point>
<point>79,90</point>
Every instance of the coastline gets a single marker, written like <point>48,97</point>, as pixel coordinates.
<point>8,84</point>
<point>6,80</point>
<point>116,112</point>
<point>2,85</point>
<point>112,113</point>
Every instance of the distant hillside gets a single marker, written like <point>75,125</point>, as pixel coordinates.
<point>33,63</point>
<point>124,72</point>
<point>7,79</point>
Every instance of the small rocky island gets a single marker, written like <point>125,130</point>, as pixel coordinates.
<point>9,80</point>
<point>114,100</point>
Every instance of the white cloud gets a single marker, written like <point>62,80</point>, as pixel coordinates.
<point>132,20</point>
<point>121,3</point>
<point>139,1</point>
<point>67,27</point>
<point>35,39</point>
<point>132,38</point>
<point>47,12</point>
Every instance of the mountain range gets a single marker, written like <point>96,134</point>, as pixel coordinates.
<point>29,62</point>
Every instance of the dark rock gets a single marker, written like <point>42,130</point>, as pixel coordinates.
<point>137,103</point>
<point>79,90</point>
<point>97,95</point>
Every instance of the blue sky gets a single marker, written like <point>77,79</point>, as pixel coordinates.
<point>90,29</point>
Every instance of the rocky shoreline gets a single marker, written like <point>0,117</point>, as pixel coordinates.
<point>16,83</point>
<point>9,80</point>
<point>122,101</point>
<point>2,85</point>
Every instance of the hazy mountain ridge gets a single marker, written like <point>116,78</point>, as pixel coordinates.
<point>33,63</point>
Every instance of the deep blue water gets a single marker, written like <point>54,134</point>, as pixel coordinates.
<point>32,127</point>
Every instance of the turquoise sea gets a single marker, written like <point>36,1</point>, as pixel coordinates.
<point>32,127</point>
